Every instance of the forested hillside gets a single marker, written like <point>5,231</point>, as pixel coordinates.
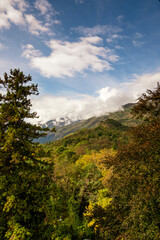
<point>97,183</point>
<point>123,116</point>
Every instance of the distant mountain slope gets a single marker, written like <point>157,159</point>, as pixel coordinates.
<point>61,122</point>
<point>123,116</point>
<point>106,134</point>
<point>71,128</point>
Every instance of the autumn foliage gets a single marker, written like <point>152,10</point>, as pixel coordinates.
<point>98,184</point>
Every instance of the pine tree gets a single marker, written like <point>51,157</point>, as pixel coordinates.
<point>23,182</point>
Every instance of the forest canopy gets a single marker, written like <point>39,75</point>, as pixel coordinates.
<point>98,183</point>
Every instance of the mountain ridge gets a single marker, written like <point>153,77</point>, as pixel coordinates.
<point>123,116</point>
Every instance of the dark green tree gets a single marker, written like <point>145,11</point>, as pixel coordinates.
<point>135,185</point>
<point>148,105</point>
<point>23,181</point>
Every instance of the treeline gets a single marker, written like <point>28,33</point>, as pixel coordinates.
<point>100,183</point>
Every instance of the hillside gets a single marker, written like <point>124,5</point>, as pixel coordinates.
<point>106,178</point>
<point>108,133</point>
<point>98,183</point>
<point>123,116</point>
<point>80,174</point>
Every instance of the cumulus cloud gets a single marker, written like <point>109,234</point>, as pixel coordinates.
<point>97,30</point>
<point>106,93</point>
<point>11,11</point>
<point>67,58</point>
<point>50,107</point>
<point>139,84</point>
<point>84,106</point>
<point>17,12</point>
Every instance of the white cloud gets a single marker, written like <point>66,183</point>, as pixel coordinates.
<point>92,40</point>
<point>141,83</point>
<point>115,37</point>
<point>30,51</point>
<point>67,58</point>
<point>106,93</point>
<point>11,11</point>
<point>49,107</point>
<point>17,12</point>
<point>57,22</point>
<point>83,106</point>
<point>97,30</point>
<point>48,11</point>
<point>35,26</point>
<point>109,40</point>
<point>118,47</point>
<point>43,6</point>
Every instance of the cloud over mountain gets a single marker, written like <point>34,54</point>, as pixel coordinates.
<point>84,106</point>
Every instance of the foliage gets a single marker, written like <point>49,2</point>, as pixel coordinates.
<point>100,183</point>
<point>95,213</point>
<point>23,182</point>
<point>81,175</point>
<point>135,185</point>
<point>148,106</point>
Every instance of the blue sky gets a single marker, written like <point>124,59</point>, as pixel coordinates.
<point>88,57</point>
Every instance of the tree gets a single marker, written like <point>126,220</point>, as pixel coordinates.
<point>135,185</point>
<point>148,105</point>
<point>23,182</point>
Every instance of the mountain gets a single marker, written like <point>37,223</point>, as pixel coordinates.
<point>66,126</point>
<point>61,122</point>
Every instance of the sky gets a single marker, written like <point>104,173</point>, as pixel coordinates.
<point>89,57</point>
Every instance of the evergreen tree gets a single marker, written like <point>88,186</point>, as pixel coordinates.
<point>136,181</point>
<point>23,182</point>
<point>148,105</point>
